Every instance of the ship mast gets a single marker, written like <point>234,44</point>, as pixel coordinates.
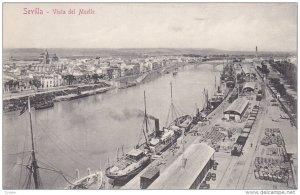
<point>34,167</point>
<point>215,84</point>
<point>172,109</point>
<point>145,120</point>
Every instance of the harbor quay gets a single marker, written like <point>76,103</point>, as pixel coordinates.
<point>228,170</point>
<point>228,126</point>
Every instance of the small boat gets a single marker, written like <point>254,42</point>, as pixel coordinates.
<point>184,122</point>
<point>44,105</point>
<point>127,85</point>
<point>93,181</point>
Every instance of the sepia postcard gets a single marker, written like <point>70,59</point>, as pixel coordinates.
<point>150,96</point>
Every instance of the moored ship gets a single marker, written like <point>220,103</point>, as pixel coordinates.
<point>93,181</point>
<point>218,97</point>
<point>44,105</point>
<point>127,85</point>
<point>162,139</point>
<point>129,165</point>
<point>132,162</point>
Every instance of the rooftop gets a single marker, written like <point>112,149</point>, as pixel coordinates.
<point>237,106</point>
<point>177,177</point>
<point>249,85</point>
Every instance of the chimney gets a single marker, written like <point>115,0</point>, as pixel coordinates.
<point>88,171</point>
<point>77,174</point>
<point>256,51</point>
<point>157,126</point>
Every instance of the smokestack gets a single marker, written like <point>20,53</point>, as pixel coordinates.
<point>88,171</point>
<point>77,174</point>
<point>256,51</point>
<point>156,120</point>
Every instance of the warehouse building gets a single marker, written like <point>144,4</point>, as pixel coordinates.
<point>237,109</point>
<point>249,87</point>
<point>188,170</point>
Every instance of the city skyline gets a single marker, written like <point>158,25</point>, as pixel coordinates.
<point>224,26</point>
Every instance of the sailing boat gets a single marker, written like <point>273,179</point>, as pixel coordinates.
<point>183,122</point>
<point>218,97</point>
<point>33,167</point>
<point>132,162</point>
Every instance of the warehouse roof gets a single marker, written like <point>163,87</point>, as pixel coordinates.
<point>290,140</point>
<point>237,107</point>
<point>249,85</point>
<point>247,70</point>
<point>178,177</point>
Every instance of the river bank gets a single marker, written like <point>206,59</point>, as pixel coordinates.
<point>90,89</point>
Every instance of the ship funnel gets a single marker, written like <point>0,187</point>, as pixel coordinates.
<point>77,174</point>
<point>88,171</point>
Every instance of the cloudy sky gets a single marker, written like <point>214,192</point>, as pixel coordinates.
<point>270,26</point>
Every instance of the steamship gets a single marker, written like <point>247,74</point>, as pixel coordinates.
<point>132,162</point>
<point>140,157</point>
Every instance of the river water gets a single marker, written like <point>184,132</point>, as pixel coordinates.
<point>85,133</point>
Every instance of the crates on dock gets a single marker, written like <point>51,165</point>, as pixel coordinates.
<point>272,169</point>
<point>272,136</point>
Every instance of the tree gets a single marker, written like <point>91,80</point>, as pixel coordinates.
<point>70,78</point>
<point>109,73</point>
<point>96,78</point>
<point>10,83</point>
<point>36,83</point>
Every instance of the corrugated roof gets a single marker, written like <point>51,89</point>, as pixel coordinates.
<point>177,177</point>
<point>247,70</point>
<point>249,85</point>
<point>237,106</point>
<point>290,140</point>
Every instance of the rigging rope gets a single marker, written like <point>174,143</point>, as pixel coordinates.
<point>24,145</point>
<point>68,146</point>
<point>50,164</point>
<point>60,149</point>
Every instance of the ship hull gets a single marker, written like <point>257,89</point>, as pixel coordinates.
<point>79,96</point>
<point>128,175</point>
<point>40,107</point>
<point>215,104</point>
<point>186,127</point>
<point>127,86</point>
